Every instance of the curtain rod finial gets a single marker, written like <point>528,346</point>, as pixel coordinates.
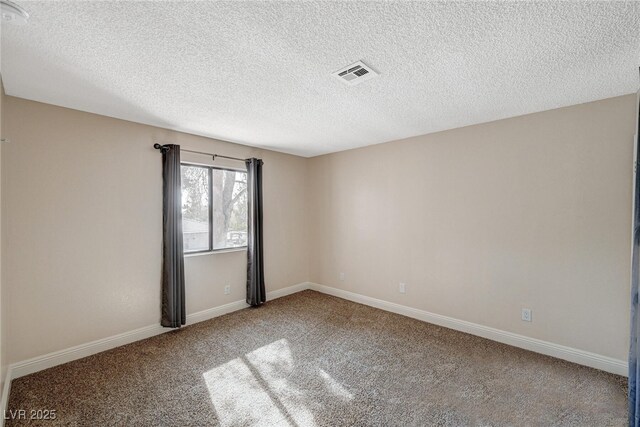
<point>157,146</point>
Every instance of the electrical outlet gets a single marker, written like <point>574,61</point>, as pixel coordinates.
<point>526,314</point>
<point>227,289</point>
<point>402,288</point>
<point>342,276</point>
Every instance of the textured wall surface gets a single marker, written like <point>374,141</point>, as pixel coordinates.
<point>3,348</point>
<point>479,222</point>
<point>259,73</point>
<point>82,215</point>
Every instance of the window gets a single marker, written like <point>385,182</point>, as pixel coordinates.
<point>214,208</point>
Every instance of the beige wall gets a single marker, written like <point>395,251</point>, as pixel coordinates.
<point>82,215</point>
<point>3,367</point>
<point>479,222</point>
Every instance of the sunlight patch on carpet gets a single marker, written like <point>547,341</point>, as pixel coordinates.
<point>335,387</point>
<point>255,389</point>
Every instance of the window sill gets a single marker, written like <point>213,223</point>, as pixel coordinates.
<point>219,251</point>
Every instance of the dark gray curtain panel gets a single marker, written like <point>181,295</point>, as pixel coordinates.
<point>173,297</point>
<point>256,294</point>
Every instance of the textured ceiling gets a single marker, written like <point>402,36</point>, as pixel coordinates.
<point>258,73</point>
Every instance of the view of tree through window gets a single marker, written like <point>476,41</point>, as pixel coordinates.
<point>195,208</point>
<point>214,208</point>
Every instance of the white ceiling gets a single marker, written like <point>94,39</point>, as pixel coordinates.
<point>258,73</point>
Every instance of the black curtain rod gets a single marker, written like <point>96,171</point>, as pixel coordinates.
<point>160,147</point>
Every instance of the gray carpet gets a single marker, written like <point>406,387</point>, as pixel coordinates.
<point>311,359</point>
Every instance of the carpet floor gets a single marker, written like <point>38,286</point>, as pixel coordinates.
<point>310,359</point>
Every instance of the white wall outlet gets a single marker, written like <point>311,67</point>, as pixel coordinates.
<point>526,314</point>
<point>402,288</point>
<point>342,276</point>
<point>227,289</point>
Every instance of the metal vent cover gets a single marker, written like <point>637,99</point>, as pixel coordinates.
<point>355,73</point>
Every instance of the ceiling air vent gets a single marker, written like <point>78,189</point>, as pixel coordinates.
<point>355,73</point>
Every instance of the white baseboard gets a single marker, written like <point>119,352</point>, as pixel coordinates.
<point>616,366</point>
<point>608,364</point>
<point>46,361</point>
<point>593,360</point>
<point>288,290</point>
<point>239,305</point>
<point>30,366</point>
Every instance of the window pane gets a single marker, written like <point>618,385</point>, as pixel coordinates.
<point>229,208</point>
<point>195,208</point>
